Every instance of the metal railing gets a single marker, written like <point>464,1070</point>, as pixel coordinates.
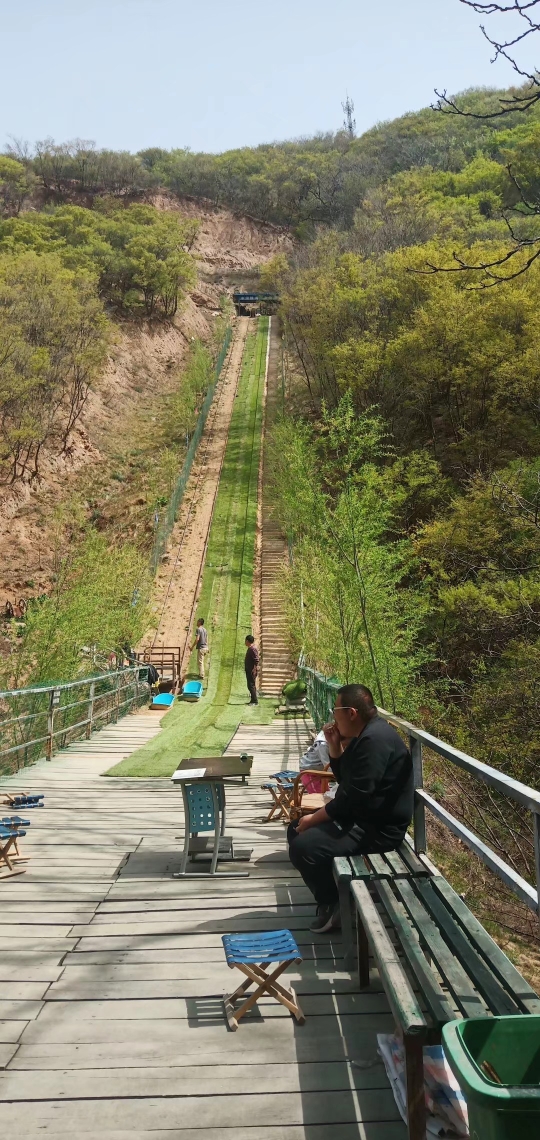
<point>35,722</point>
<point>320,699</point>
<point>167,523</point>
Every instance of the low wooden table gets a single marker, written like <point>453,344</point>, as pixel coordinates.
<point>219,767</point>
<point>212,771</point>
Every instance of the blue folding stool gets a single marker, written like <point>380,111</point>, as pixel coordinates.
<point>21,800</point>
<point>251,953</point>
<point>9,834</point>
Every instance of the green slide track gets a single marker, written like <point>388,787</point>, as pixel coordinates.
<point>206,727</point>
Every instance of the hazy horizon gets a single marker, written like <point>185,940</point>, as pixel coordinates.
<point>129,74</point>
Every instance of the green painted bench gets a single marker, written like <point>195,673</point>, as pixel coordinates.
<point>402,863</point>
<point>435,960</point>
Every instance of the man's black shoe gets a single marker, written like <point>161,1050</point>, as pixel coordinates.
<point>327,919</point>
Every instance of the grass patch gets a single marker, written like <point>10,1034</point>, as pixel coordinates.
<point>205,728</point>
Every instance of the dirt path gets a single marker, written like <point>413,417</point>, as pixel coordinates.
<point>178,580</point>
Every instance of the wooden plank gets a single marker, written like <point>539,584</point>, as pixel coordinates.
<point>493,993</point>
<point>163,939</point>
<point>320,954</point>
<point>380,867</point>
<point>29,967</point>
<point>360,867</point>
<point>208,1007</point>
<point>468,1000</point>
<point>223,922</point>
<point>201,1112</point>
<point>75,971</point>
<point>439,1006</point>
<point>24,944</point>
<point>209,986</point>
<point>167,1033</point>
<point>11,1031</point>
<point>19,1009</point>
<point>243,1079</point>
<point>15,990</point>
<point>502,967</point>
<point>33,931</point>
<point>367,1130</point>
<point>397,987</point>
<point>7,1052</point>
<point>241,904</point>
<point>252,1048</point>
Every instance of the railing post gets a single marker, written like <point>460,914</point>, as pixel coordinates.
<point>419,817</point>
<point>90,709</point>
<point>50,726</point>
<point>536,827</point>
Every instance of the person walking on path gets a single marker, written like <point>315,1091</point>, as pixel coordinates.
<point>251,665</point>
<point>201,641</point>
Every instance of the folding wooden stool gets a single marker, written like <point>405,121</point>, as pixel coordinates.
<point>252,953</point>
<point>281,788</point>
<point>9,834</point>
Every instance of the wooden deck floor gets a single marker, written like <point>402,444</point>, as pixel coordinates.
<point>111,1022</point>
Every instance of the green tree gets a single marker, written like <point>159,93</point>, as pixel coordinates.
<point>16,183</point>
<point>54,337</point>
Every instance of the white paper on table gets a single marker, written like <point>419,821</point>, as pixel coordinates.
<point>188,773</point>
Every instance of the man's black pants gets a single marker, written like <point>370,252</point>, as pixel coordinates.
<point>312,852</point>
<point>251,683</point>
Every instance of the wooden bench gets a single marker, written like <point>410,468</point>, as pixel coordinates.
<point>402,863</point>
<point>440,963</point>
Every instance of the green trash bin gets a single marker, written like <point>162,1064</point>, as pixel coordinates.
<point>480,1050</point>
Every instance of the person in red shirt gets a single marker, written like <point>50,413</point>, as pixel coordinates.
<point>251,665</point>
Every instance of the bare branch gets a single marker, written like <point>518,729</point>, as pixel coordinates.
<point>516,101</point>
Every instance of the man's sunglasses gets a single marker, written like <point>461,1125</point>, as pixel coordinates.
<point>339,708</point>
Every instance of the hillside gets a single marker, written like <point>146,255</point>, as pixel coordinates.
<point>144,367</point>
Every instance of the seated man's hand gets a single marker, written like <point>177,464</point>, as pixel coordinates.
<point>303,823</point>
<point>333,739</point>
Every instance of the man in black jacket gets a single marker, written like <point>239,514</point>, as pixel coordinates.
<point>373,804</point>
<point>251,665</point>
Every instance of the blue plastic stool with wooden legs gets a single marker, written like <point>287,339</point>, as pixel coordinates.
<point>204,811</point>
<point>252,953</point>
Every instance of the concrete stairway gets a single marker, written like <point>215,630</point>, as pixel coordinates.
<point>276,664</point>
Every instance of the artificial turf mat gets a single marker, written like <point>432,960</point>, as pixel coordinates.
<point>206,727</point>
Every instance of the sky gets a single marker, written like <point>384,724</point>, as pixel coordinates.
<point>217,74</point>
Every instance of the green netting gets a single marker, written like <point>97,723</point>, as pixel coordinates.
<point>321,692</point>
<point>167,523</point>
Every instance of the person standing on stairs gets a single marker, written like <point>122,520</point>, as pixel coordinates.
<point>251,665</point>
<point>201,641</point>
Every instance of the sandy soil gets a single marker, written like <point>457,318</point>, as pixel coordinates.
<point>178,580</point>
<point>225,240</point>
